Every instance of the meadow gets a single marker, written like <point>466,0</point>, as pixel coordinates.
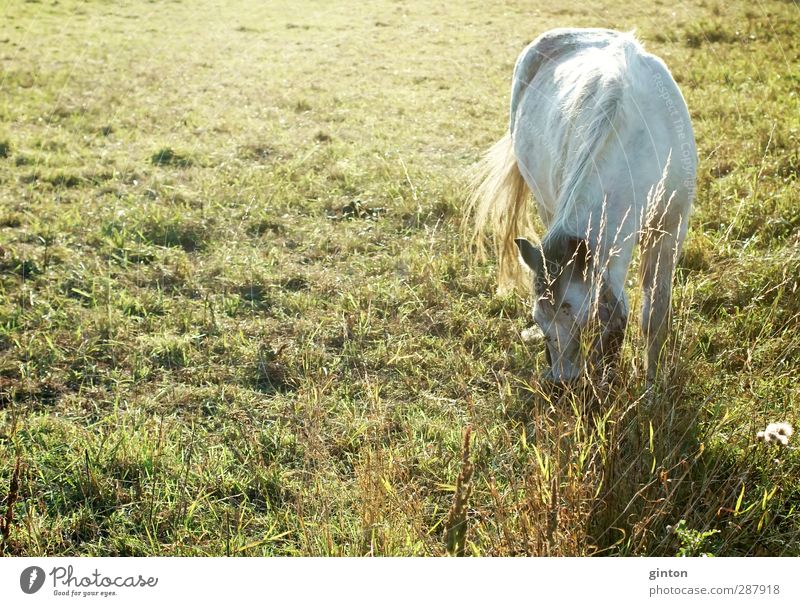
<point>238,315</point>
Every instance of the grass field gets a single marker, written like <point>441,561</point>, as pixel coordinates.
<point>237,315</point>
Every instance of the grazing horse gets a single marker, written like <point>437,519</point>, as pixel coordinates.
<point>601,136</point>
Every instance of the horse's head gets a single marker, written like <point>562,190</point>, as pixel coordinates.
<point>567,302</point>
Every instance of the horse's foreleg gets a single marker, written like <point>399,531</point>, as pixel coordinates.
<point>659,255</point>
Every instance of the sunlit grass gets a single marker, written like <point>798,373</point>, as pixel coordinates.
<point>237,318</point>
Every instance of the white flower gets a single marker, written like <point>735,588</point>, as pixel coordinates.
<point>534,333</point>
<point>782,429</point>
<point>776,433</point>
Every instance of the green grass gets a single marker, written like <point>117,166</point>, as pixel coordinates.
<point>237,318</point>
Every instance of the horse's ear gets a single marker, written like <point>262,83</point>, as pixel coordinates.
<point>531,256</point>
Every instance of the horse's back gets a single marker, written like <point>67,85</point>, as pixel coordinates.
<point>595,119</point>
<point>548,49</point>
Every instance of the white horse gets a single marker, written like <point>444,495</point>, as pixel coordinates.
<point>601,136</point>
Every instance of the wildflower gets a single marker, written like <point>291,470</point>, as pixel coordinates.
<point>534,333</point>
<point>782,429</point>
<point>776,433</point>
